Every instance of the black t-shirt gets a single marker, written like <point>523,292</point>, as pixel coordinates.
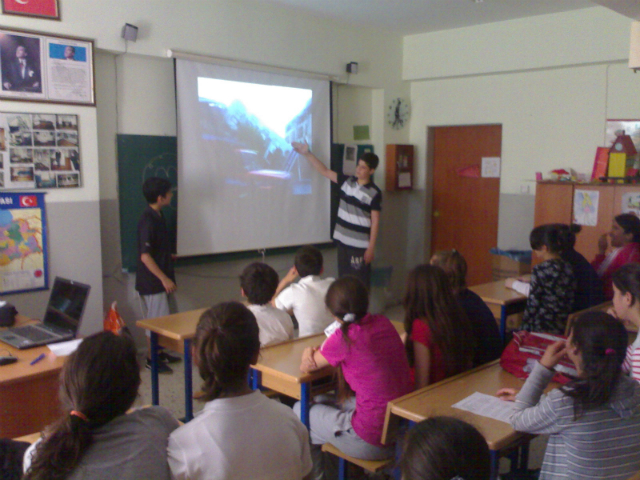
<point>485,328</point>
<point>153,238</point>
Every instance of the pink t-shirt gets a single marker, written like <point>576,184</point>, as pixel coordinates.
<point>375,365</point>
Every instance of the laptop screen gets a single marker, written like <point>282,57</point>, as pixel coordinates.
<point>66,304</point>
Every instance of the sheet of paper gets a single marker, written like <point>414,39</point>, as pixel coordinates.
<point>490,167</point>
<point>64,348</point>
<point>487,406</point>
<point>404,180</point>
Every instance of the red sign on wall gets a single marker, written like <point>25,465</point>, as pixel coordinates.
<point>32,8</point>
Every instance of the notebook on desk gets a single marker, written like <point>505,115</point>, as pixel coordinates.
<point>61,319</point>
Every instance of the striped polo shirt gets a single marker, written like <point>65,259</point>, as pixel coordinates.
<point>603,443</point>
<point>353,224</point>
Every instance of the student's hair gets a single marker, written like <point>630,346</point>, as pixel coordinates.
<point>227,341</point>
<point>259,282</point>
<point>99,380</point>
<point>371,159</point>
<point>308,261</point>
<point>444,448</point>
<point>454,266</point>
<point>630,224</point>
<point>556,239</point>
<point>155,187</point>
<point>430,299</point>
<point>568,233</point>
<point>602,342</point>
<point>347,299</point>
<point>627,280</point>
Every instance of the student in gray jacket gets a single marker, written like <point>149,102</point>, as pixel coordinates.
<point>593,421</point>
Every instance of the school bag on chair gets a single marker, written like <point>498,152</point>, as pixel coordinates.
<point>526,348</point>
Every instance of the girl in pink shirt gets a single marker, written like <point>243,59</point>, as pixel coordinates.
<point>373,370</point>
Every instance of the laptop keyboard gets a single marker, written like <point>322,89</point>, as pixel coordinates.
<point>32,333</point>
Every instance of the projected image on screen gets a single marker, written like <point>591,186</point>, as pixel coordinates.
<point>240,184</point>
<point>252,127</point>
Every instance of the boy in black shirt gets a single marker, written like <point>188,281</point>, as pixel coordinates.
<point>155,278</point>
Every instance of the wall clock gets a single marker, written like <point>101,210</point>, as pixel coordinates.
<point>398,113</point>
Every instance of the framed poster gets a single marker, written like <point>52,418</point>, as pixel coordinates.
<point>39,150</point>
<point>23,243</point>
<point>46,68</point>
<point>35,8</point>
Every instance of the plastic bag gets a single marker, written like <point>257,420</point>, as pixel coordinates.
<point>113,322</point>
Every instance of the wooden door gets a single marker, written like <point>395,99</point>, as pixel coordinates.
<point>465,210</point>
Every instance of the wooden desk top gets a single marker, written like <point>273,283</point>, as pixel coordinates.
<point>21,370</point>
<point>437,399</point>
<point>496,292</point>
<point>283,360</point>
<point>179,326</point>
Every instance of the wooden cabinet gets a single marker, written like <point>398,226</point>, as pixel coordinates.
<point>555,204</point>
<point>399,173</point>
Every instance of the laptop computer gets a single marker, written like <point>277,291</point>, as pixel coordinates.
<point>61,320</point>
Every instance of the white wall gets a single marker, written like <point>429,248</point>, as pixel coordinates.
<point>551,81</point>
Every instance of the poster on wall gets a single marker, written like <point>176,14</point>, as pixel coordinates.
<point>23,243</point>
<point>39,150</point>
<point>631,203</point>
<point>585,207</point>
<point>46,68</point>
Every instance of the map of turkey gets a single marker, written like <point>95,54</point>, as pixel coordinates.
<point>21,252</point>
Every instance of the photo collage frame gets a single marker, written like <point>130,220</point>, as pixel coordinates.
<point>39,150</point>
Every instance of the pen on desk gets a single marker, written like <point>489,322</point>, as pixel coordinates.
<point>37,359</point>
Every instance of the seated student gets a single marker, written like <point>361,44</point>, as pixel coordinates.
<point>440,341</point>
<point>445,448</point>
<point>625,240</point>
<point>594,420</point>
<point>95,438</point>
<point>626,307</point>
<point>258,284</point>
<point>589,287</point>
<point>484,325</point>
<point>305,299</point>
<point>371,365</point>
<point>240,434</point>
<point>553,284</point>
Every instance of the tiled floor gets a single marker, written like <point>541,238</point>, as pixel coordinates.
<point>172,397</point>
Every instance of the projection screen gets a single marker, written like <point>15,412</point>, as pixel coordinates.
<point>240,184</point>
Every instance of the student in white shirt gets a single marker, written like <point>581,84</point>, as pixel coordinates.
<point>240,434</point>
<point>258,284</point>
<point>305,299</point>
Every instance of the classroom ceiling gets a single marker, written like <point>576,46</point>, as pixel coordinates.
<point>418,16</point>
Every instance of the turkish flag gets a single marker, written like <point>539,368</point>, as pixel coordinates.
<point>28,201</point>
<point>42,8</point>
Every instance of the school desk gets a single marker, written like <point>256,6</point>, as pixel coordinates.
<point>28,393</point>
<point>175,333</point>
<point>437,400</point>
<point>509,301</point>
<point>277,368</point>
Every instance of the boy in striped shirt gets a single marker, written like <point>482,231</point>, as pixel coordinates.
<point>358,220</point>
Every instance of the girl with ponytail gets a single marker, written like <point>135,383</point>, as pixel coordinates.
<point>370,358</point>
<point>594,420</point>
<point>626,307</point>
<point>240,434</point>
<point>96,438</point>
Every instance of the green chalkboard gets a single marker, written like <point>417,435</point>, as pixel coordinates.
<point>141,157</point>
